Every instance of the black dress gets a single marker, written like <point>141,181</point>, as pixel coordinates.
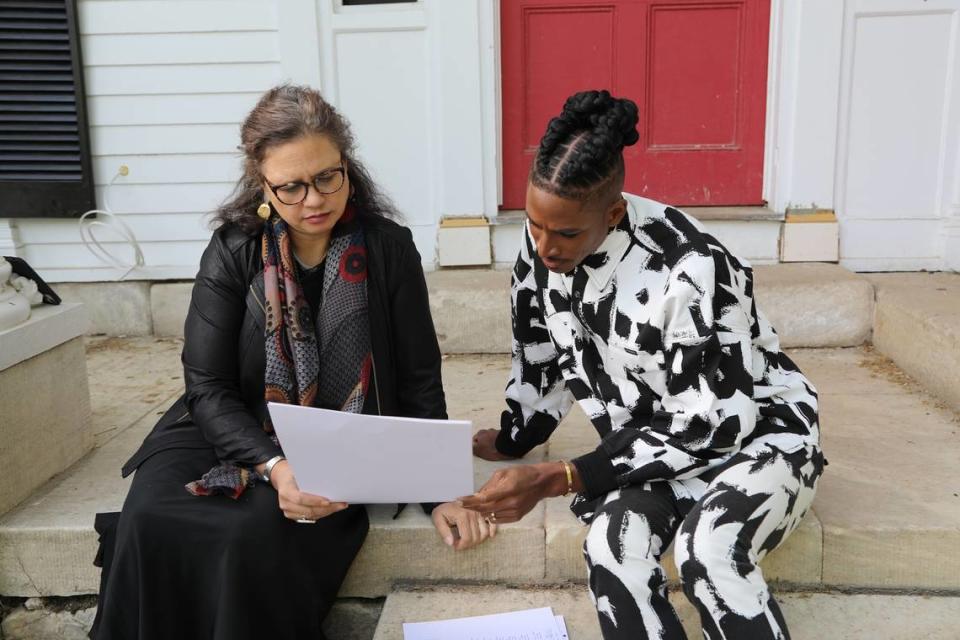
<point>179,566</point>
<point>245,570</point>
<point>212,567</point>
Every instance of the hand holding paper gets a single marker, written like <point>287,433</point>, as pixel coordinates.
<point>296,504</point>
<point>360,459</point>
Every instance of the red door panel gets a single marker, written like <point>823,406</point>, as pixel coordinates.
<point>588,61</point>
<point>696,69</point>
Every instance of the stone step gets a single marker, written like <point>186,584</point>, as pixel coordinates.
<point>810,305</point>
<point>889,502</point>
<point>37,619</point>
<point>45,421</point>
<point>130,379</point>
<point>809,616</point>
<point>887,514</point>
<point>918,325</point>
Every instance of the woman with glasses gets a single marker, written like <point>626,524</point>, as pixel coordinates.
<point>308,294</point>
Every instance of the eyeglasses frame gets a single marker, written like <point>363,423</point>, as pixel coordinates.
<point>339,169</point>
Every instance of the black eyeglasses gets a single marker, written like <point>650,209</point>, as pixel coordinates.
<point>325,182</point>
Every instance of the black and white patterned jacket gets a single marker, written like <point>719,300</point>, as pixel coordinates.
<point>658,338</point>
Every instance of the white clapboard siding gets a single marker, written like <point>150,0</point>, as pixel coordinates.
<point>72,255</point>
<point>169,16</point>
<point>181,78</point>
<point>163,198</point>
<point>169,169</point>
<point>180,48</point>
<point>215,108</point>
<point>190,226</point>
<point>163,139</point>
<point>168,83</point>
<point>51,260</point>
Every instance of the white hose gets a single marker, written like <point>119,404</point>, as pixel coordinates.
<point>108,219</point>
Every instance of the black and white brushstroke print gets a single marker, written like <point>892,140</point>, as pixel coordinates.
<point>706,427</point>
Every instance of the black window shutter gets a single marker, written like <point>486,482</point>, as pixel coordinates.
<point>45,167</point>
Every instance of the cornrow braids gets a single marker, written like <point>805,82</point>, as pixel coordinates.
<point>581,152</point>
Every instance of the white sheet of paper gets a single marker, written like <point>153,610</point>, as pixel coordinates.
<point>530,624</point>
<point>562,628</point>
<point>364,459</point>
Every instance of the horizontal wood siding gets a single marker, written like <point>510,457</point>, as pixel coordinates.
<point>168,84</point>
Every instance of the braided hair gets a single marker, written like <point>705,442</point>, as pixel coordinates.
<point>581,154</point>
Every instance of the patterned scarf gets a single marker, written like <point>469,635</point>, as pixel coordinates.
<point>324,361</point>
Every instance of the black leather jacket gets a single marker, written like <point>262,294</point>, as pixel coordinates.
<point>223,352</point>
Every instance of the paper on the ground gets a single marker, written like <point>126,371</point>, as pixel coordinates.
<point>364,459</point>
<point>562,628</point>
<point>531,624</point>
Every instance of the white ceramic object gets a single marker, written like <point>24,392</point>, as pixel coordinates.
<point>14,306</point>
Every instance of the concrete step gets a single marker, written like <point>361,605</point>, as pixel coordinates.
<point>351,618</point>
<point>809,616</point>
<point>887,514</point>
<point>889,501</point>
<point>810,305</point>
<point>45,417</point>
<point>130,379</point>
<point>918,325</point>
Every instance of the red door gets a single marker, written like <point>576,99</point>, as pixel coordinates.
<point>697,70</point>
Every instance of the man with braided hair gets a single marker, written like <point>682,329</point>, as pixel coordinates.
<point>709,433</point>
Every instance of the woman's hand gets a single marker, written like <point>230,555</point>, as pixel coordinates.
<point>484,445</point>
<point>296,504</point>
<point>512,492</point>
<point>471,526</point>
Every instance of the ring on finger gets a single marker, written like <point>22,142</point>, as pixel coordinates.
<point>304,519</point>
<point>492,517</point>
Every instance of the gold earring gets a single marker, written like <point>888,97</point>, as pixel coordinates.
<point>264,211</point>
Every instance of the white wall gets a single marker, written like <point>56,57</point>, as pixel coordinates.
<point>951,225</point>
<point>863,117</point>
<point>418,83</point>
<point>866,121</point>
<point>169,82</point>
<point>895,182</point>
<point>804,75</point>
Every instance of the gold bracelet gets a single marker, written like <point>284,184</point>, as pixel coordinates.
<point>566,467</point>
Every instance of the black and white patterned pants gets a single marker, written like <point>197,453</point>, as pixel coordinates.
<point>725,522</point>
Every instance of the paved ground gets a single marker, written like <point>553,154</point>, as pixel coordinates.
<point>810,616</point>
<point>128,378</point>
<point>887,515</point>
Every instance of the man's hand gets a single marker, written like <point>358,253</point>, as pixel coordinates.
<point>484,445</point>
<point>471,526</point>
<point>296,504</point>
<point>512,492</point>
